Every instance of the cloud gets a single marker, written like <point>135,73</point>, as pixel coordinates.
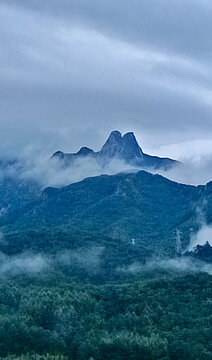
<point>34,264</point>
<point>196,159</point>
<point>176,265</point>
<point>71,72</point>
<point>201,237</point>
<point>37,165</point>
<point>169,26</point>
<point>23,264</point>
<point>39,168</point>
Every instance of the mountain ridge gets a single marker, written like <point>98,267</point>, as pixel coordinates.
<point>118,147</point>
<point>139,205</point>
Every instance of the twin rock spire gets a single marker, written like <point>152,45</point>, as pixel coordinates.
<point>122,147</point>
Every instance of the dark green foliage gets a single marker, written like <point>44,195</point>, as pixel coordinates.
<point>142,206</point>
<point>35,357</point>
<point>15,194</point>
<point>160,319</point>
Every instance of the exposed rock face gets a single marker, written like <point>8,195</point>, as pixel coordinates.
<point>132,149</point>
<point>113,146</point>
<point>125,148</point>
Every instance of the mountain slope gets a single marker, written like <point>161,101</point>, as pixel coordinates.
<point>15,193</point>
<point>141,206</point>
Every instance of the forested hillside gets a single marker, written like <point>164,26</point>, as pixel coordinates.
<point>92,271</point>
<point>141,206</point>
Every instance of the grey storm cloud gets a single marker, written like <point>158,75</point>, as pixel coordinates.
<point>72,71</point>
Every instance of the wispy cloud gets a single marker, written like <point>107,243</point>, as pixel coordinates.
<point>74,72</point>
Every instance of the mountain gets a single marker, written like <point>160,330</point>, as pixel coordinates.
<point>118,147</point>
<point>139,209</point>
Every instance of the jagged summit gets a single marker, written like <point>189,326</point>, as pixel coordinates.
<point>115,134</point>
<point>130,143</point>
<point>121,147</point>
<point>112,146</point>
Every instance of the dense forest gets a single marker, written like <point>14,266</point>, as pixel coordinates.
<point>152,316</point>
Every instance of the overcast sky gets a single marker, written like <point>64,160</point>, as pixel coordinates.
<point>71,71</point>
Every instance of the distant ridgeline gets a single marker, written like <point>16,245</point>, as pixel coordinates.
<point>118,147</point>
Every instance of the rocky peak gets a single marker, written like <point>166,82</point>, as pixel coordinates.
<point>131,147</point>
<point>122,147</point>
<point>112,146</point>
